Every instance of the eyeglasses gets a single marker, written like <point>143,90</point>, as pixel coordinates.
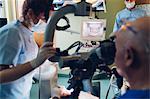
<point>128,26</point>
<point>129,0</point>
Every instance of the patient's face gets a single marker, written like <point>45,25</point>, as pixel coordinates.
<point>119,58</point>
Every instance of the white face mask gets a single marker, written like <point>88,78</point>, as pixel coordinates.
<point>130,5</point>
<point>32,23</point>
<point>39,27</point>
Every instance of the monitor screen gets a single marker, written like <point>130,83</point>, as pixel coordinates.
<point>58,4</point>
<point>97,5</point>
<point>58,1</point>
<point>93,29</point>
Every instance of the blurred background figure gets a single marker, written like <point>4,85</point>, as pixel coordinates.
<point>134,9</point>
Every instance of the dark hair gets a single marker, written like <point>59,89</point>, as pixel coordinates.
<point>38,6</point>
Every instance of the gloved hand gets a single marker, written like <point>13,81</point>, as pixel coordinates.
<point>46,51</point>
<point>59,91</point>
<point>85,95</point>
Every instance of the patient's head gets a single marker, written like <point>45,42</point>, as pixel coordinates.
<point>133,49</point>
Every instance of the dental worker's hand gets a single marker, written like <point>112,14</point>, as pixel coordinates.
<point>65,92</point>
<point>86,95</point>
<point>61,91</point>
<point>57,90</point>
<point>45,52</point>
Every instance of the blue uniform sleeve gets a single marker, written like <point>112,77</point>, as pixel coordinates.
<point>117,22</point>
<point>10,46</point>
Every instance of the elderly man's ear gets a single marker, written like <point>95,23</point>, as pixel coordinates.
<point>129,56</point>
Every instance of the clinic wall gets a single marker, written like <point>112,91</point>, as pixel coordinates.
<point>112,6</point>
<point>2,9</point>
<point>10,9</point>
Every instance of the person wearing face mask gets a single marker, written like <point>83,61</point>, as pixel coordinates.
<point>19,54</point>
<point>134,9</point>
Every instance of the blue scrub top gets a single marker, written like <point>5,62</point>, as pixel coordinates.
<point>17,47</point>
<point>128,15</point>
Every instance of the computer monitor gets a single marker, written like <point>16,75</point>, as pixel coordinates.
<point>93,29</point>
<point>58,4</point>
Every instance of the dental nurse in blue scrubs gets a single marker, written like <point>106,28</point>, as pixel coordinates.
<point>19,54</point>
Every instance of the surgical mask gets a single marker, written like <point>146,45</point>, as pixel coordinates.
<point>39,27</point>
<point>33,24</point>
<point>130,5</point>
